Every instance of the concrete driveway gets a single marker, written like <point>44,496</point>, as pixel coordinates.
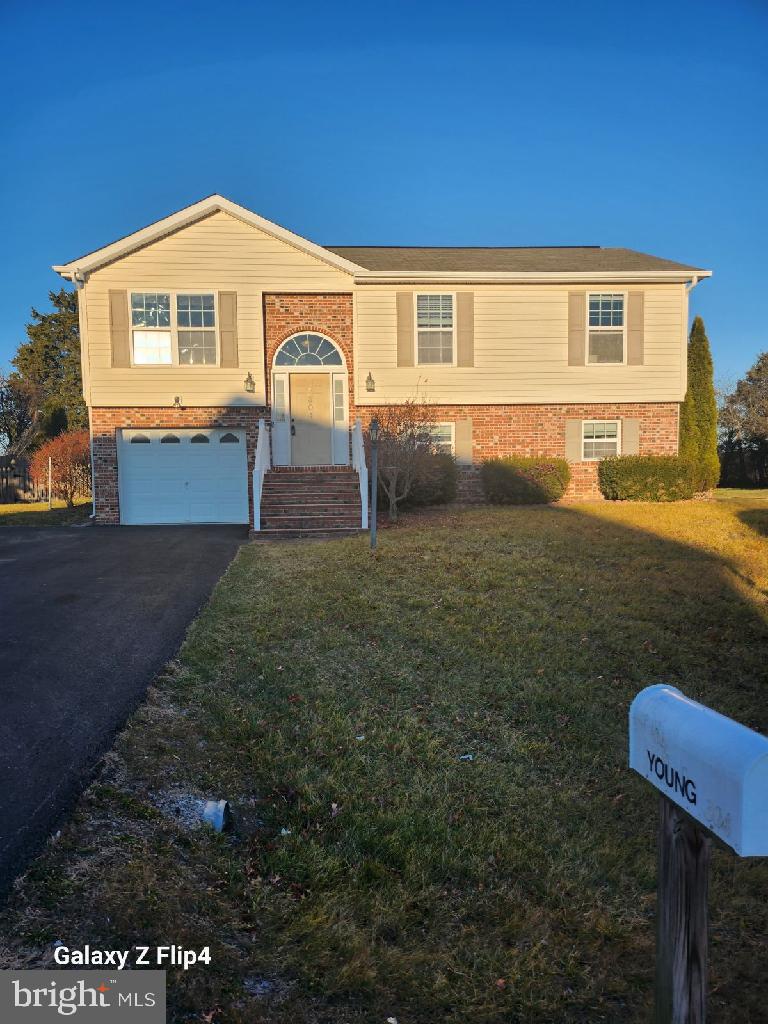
<point>87,618</point>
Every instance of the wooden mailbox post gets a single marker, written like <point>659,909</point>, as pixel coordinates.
<point>712,773</point>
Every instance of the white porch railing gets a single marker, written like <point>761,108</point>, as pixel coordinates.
<point>261,465</point>
<point>358,464</point>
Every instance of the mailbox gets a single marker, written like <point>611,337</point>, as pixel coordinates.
<point>712,767</point>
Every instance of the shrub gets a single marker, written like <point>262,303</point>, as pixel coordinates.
<point>434,481</point>
<point>647,478</point>
<point>524,481</point>
<point>70,460</point>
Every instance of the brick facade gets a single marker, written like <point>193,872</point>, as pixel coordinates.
<point>106,422</point>
<point>497,429</point>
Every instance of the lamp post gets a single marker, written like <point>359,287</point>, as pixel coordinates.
<point>373,433</point>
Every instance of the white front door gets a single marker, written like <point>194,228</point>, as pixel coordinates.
<point>183,476</point>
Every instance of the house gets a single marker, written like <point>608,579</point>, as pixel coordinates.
<point>230,366</point>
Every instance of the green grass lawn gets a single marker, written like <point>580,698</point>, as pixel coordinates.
<point>37,513</point>
<point>376,870</point>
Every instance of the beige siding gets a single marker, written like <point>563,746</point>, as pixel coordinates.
<point>521,351</point>
<point>217,253</point>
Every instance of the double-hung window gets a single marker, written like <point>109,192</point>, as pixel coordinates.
<point>600,438</point>
<point>606,327</point>
<point>434,329</point>
<point>173,328</point>
<point>442,436</point>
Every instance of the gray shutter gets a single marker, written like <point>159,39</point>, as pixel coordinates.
<point>630,437</point>
<point>405,336</point>
<point>228,329</point>
<point>119,333</point>
<point>573,448</point>
<point>465,329</point>
<point>577,328</point>
<point>463,442</point>
<point>636,328</point>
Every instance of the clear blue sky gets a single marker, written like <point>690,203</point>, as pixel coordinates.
<point>641,125</point>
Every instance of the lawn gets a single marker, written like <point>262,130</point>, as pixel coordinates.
<point>37,513</point>
<point>426,757</point>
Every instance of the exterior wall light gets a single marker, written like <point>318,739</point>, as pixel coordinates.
<point>370,383</point>
<point>177,402</point>
<point>250,384</point>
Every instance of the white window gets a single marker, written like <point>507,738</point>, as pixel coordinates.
<point>173,328</point>
<point>434,329</point>
<point>600,438</point>
<point>606,328</point>
<point>442,436</point>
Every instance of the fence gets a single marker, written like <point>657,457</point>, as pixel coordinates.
<point>15,481</point>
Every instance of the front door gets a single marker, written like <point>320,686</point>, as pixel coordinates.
<point>311,419</point>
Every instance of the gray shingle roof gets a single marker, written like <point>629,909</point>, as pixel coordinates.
<point>557,259</point>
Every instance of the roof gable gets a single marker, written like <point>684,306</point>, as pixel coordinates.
<point>190,215</point>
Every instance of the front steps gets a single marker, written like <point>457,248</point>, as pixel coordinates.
<point>318,503</point>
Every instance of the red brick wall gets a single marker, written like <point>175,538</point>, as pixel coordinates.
<point>499,430</point>
<point>105,423</point>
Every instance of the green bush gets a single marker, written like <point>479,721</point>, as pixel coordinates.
<point>435,481</point>
<point>524,481</point>
<point>647,478</point>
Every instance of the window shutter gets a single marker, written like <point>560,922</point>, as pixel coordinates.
<point>636,329</point>
<point>119,332</point>
<point>630,437</point>
<point>405,335</point>
<point>465,329</point>
<point>463,442</point>
<point>577,328</point>
<point>573,448</point>
<point>228,329</point>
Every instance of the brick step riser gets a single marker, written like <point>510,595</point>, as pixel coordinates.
<point>287,479</point>
<point>310,522</point>
<point>309,496</point>
<point>317,508</point>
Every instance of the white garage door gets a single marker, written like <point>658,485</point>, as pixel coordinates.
<point>183,476</point>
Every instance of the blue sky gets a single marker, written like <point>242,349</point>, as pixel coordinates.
<point>640,125</point>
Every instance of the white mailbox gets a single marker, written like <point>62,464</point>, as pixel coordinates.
<point>713,767</point>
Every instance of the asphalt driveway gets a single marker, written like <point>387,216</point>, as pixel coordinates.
<point>87,618</point>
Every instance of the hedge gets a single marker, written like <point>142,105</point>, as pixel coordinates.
<point>435,481</point>
<point>524,481</point>
<point>647,478</point>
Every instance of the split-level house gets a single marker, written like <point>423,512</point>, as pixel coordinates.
<point>231,367</point>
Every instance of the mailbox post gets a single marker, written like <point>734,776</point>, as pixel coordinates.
<point>712,774</point>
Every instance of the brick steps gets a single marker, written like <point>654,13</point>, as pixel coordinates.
<point>320,503</point>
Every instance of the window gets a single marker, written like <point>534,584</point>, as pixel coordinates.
<point>170,439</point>
<point>140,439</point>
<point>229,439</point>
<point>308,350</point>
<point>600,438</point>
<point>199,439</point>
<point>434,329</point>
<point>442,436</point>
<point>173,328</point>
<point>606,328</point>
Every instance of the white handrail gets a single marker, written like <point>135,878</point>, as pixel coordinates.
<point>358,464</point>
<point>261,465</point>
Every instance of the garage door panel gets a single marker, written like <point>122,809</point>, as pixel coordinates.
<point>182,482</point>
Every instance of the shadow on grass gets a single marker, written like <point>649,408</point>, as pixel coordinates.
<point>27,516</point>
<point>756,519</point>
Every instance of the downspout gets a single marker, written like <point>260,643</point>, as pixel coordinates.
<point>78,279</point>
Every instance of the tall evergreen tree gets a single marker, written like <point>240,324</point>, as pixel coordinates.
<point>48,364</point>
<point>698,413</point>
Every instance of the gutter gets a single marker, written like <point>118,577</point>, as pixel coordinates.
<point>559,277</point>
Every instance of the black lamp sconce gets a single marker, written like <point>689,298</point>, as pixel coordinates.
<point>250,384</point>
<point>370,383</point>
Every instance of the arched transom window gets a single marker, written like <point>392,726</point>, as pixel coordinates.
<point>308,350</point>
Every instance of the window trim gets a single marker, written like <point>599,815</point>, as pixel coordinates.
<point>454,353</point>
<point>606,330</point>
<point>451,429</point>
<point>174,328</point>
<point>599,458</point>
